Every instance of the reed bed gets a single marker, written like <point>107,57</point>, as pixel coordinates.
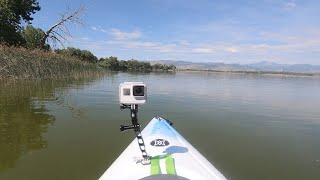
<point>21,63</point>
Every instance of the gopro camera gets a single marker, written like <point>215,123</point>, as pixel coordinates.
<point>131,93</point>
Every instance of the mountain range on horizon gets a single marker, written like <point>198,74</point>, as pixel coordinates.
<point>259,66</point>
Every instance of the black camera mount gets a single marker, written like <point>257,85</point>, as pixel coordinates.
<point>136,127</point>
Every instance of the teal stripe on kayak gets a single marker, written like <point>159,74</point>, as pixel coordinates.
<point>162,127</point>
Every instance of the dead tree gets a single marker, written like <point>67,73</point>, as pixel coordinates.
<point>59,32</point>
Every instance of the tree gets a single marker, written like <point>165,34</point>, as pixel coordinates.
<point>172,67</point>
<point>157,67</point>
<point>145,67</point>
<point>114,63</point>
<point>59,31</point>
<point>12,14</point>
<point>123,65</point>
<point>86,55</point>
<point>163,67</point>
<point>110,63</point>
<point>132,65</point>
<point>32,37</point>
<point>83,55</point>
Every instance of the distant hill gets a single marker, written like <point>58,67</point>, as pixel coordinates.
<point>260,66</point>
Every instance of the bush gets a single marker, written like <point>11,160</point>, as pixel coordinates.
<point>83,55</point>
<point>23,63</point>
<point>33,37</point>
<point>112,63</point>
<point>12,14</point>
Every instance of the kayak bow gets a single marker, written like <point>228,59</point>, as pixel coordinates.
<point>172,157</point>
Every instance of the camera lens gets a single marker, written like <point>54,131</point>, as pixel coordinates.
<point>138,90</point>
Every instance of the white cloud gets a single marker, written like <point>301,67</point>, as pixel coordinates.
<point>184,43</point>
<point>94,28</point>
<point>216,48</point>
<point>84,38</point>
<point>289,5</point>
<point>280,47</point>
<point>203,50</point>
<point>232,49</point>
<point>121,35</point>
<point>103,30</point>
<point>145,45</point>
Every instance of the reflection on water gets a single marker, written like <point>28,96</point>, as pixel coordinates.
<point>24,118</point>
<point>248,126</point>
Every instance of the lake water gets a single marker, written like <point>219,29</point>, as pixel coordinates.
<point>249,126</point>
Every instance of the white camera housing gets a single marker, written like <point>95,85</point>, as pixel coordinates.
<point>132,93</point>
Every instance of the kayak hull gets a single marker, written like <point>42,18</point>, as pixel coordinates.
<point>172,156</point>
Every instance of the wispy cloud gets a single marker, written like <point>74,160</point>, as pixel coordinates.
<point>84,38</point>
<point>184,43</point>
<point>145,45</point>
<point>94,28</point>
<point>289,5</point>
<point>232,49</point>
<point>205,50</point>
<point>122,35</point>
<point>266,45</point>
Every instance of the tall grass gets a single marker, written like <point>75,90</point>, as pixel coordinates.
<point>21,63</point>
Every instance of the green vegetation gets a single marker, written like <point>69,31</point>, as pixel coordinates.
<point>30,64</point>
<point>19,62</point>
<point>83,55</point>
<point>32,37</point>
<point>163,67</point>
<point>112,63</point>
<point>12,14</point>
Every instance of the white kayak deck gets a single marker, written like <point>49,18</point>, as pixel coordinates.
<point>172,155</point>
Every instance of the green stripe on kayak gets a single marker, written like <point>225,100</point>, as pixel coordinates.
<point>155,165</point>
<point>170,166</point>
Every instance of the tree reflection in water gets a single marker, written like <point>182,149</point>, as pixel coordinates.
<point>22,121</point>
<point>24,118</point>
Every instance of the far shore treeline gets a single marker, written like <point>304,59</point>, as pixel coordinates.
<point>26,51</point>
<point>112,63</point>
<point>20,62</point>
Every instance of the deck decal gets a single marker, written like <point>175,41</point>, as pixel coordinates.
<point>169,162</point>
<point>159,142</point>
<point>170,165</point>
<point>155,165</point>
<point>163,128</point>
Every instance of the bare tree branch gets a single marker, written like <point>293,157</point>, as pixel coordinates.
<point>55,39</point>
<point>54,33</point>
<point>59,31</point>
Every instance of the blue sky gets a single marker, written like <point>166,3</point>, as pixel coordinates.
<point>281,31</point>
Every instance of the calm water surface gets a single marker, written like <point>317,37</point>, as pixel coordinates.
<point>250,127</point>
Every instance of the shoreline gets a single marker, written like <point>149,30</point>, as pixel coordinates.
<point>276,73</point>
